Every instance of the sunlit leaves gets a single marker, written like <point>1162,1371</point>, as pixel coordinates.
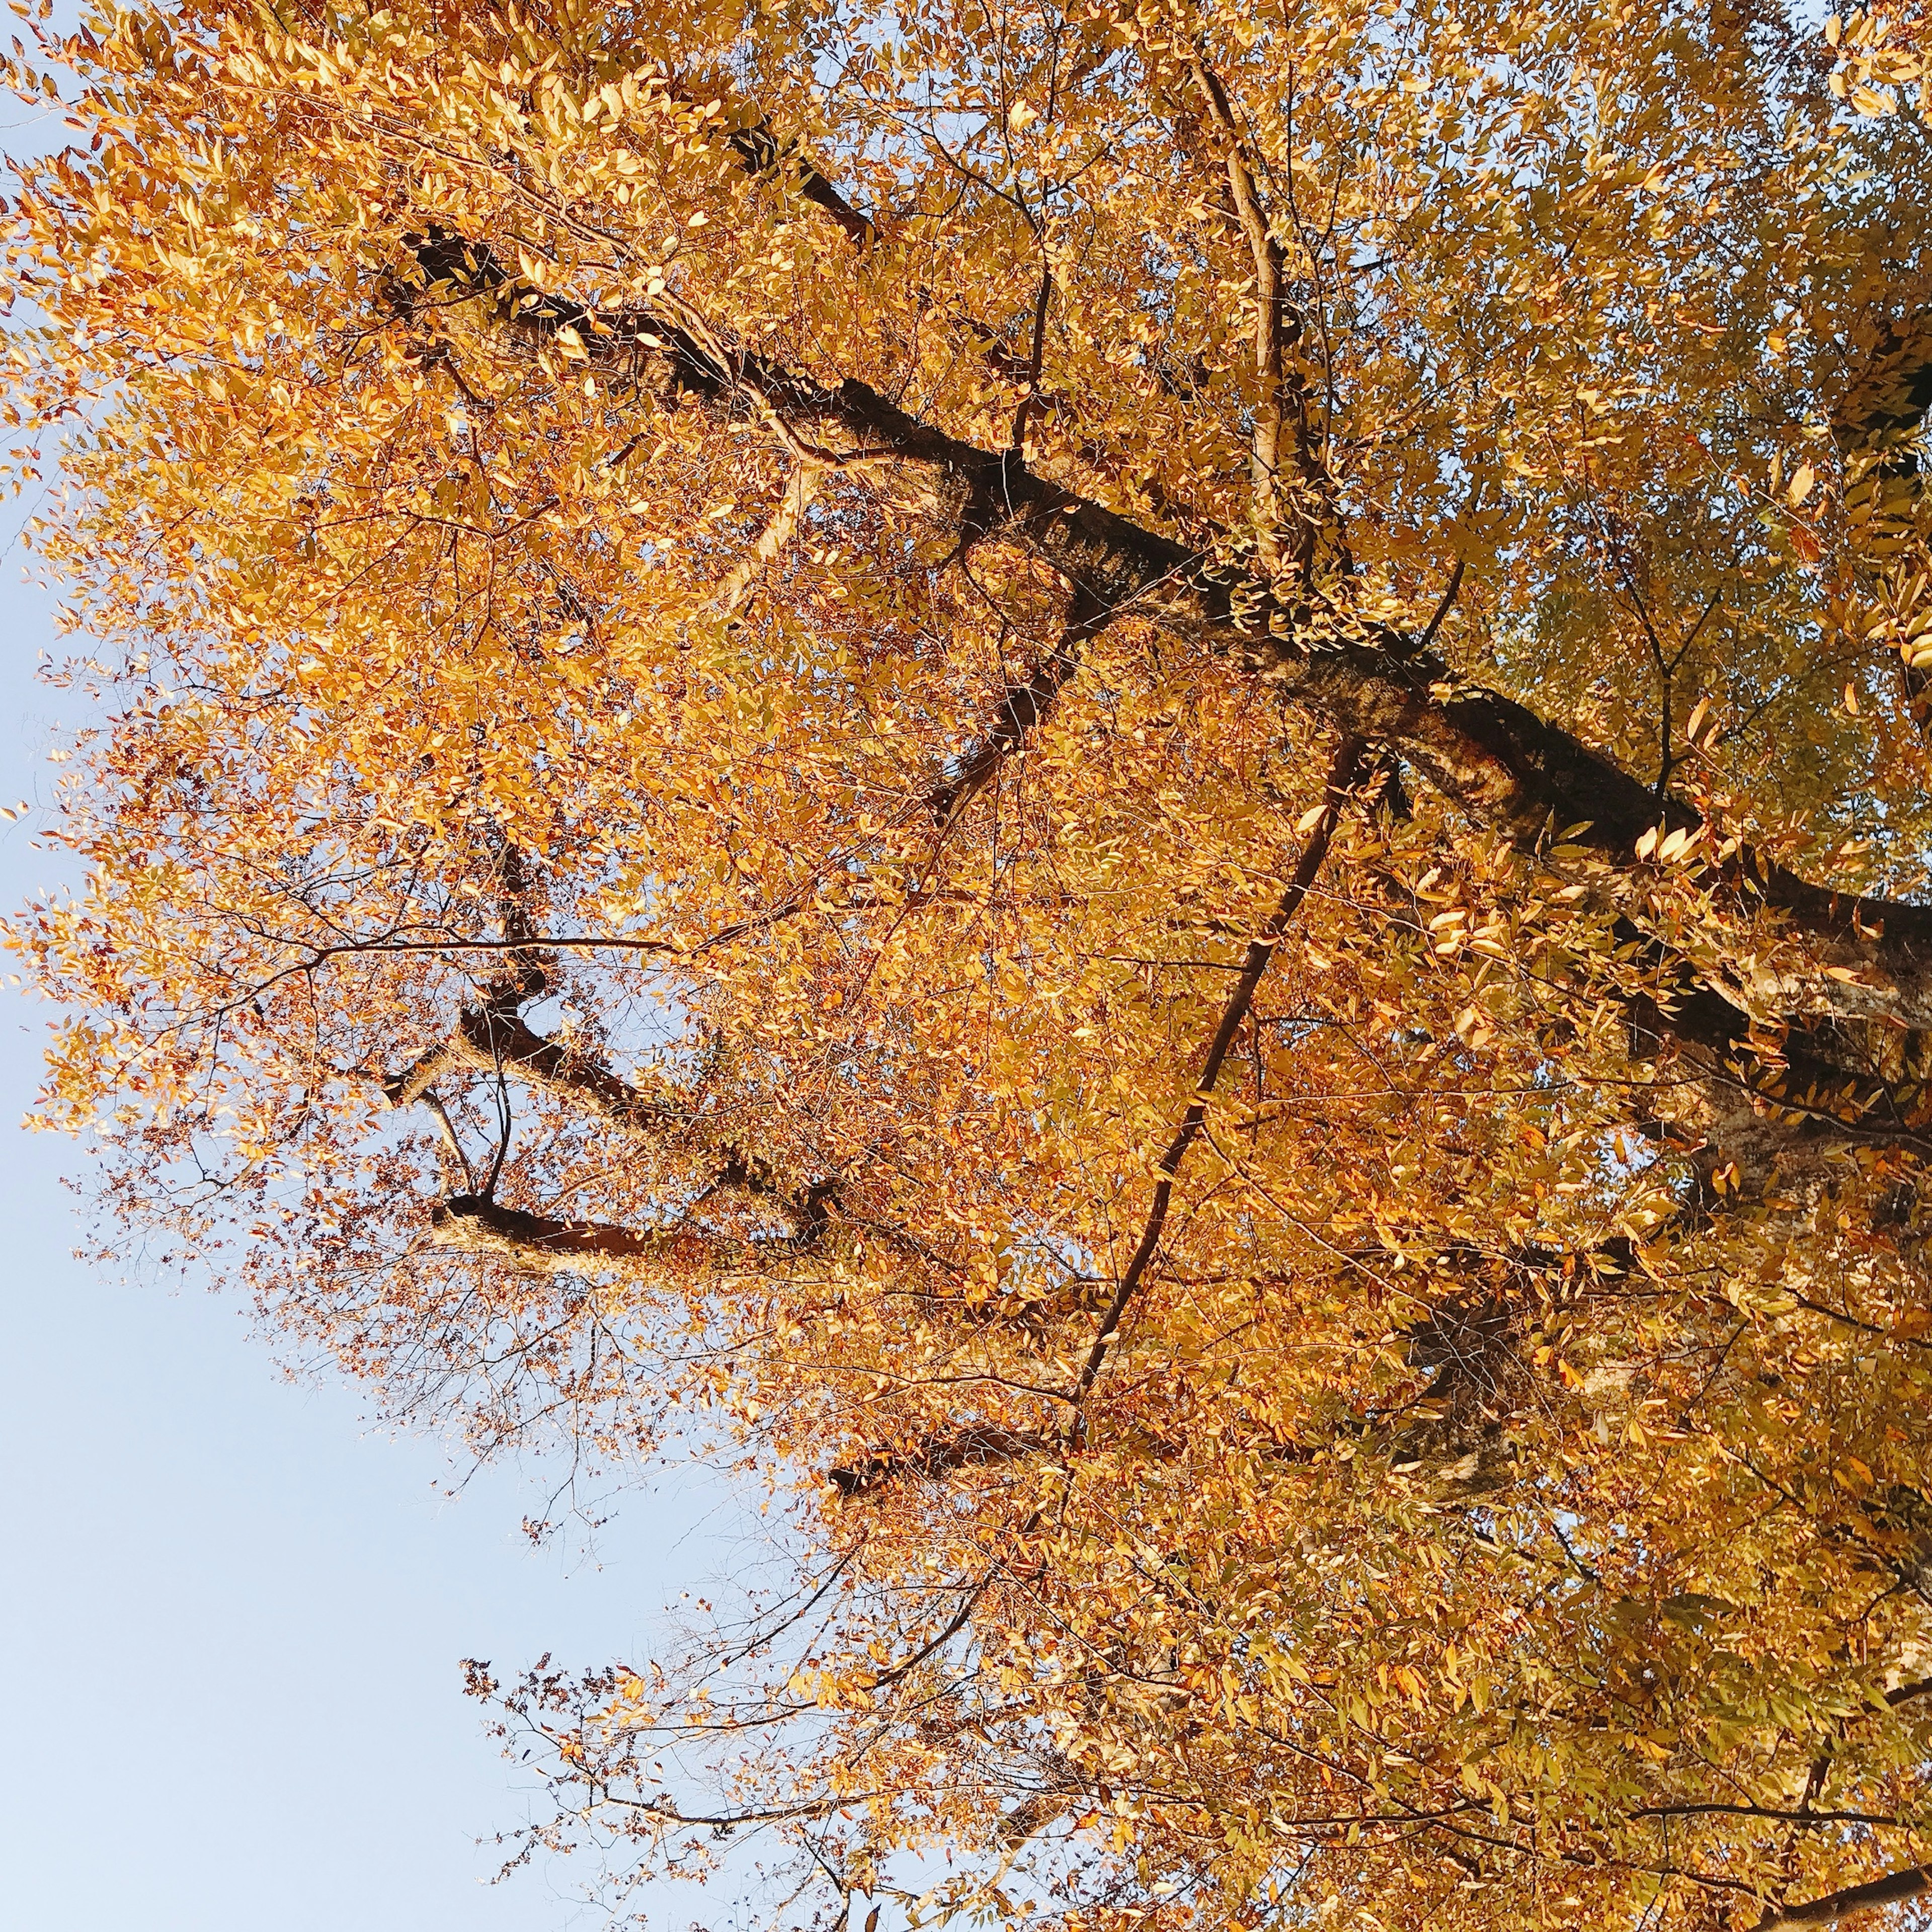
<point>537,940</point>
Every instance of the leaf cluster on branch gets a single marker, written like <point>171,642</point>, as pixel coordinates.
<point>1137,790</point>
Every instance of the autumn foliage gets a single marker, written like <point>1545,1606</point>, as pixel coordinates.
<point>1141,791</point>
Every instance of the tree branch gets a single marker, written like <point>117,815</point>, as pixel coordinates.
<point>800,487</point>
<point>763,155</point>
<point>1873,425</point>
<point>1503,766</point>
<point>471,1223</point>
<point>475,1224</point>
<point>495,1038</point>
<point>1891,1889</point>
<point>1271,324</point>
<point>1284,402</point>
<point>970,1448</point>
<point>1021,707</point>
<point>1342,774</point>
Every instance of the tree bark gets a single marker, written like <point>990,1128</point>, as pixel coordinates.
<point>1021,707</point>
<point>970,1448</point>
<point>1892,1889</point>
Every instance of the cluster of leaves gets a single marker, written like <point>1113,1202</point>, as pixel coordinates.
<point>1133,787</point>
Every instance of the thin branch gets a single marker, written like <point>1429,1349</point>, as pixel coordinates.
<point>1803,1818</point>
<point>1442,609</point>
<point>1342,774</point>
<point>1021,707</point>
<point>960,1618</point>
<point>1029,401</point>
<point>800,487</point>
<point>447,1128</point>
<point>504,1123</point>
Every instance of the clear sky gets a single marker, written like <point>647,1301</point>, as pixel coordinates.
<point>231,1614</point>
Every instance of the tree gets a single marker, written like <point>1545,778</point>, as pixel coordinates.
<point>1136,787</point>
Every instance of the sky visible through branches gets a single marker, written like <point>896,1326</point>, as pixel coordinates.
<point>233,1614</point>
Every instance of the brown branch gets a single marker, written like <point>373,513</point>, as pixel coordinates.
<point>1021,707</point>
<point>1029,400</point>
<point>1891,1889</point>
<point>473,1224</point>
<point>763,155</point>
<point>1796,1072</point>
<point>960,1618</point>
<point>1807,1818</point>
<point>1279,326</point>
<point>1503,766</point>
<point>1887,402</point>
<point>1821,1765</point>
<point>549,942</point>
<point>970,1448</point>
<point>1443,609</point>
<point>1270,321</point>
<point>458,1161</point>
<point>489,1039</point>
<point>1342,775</point>
<point>495,1038</point>
<point>1874,425</point>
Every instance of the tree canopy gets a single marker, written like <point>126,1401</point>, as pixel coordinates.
<point>1140,790</point>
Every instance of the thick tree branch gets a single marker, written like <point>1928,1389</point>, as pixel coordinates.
<point>473,1224</point>
<point>1892,1889</point>
<point>970,1448</point>
<point>1886,404</point>
<point>495,1038</point>
<point>1875,425</point>
<point>1818,1096</point>
<point>490,1038</point>
<point>762,154</point>
<point>1282,394</point>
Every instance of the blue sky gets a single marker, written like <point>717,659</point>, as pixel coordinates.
<point>231,1613</point>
